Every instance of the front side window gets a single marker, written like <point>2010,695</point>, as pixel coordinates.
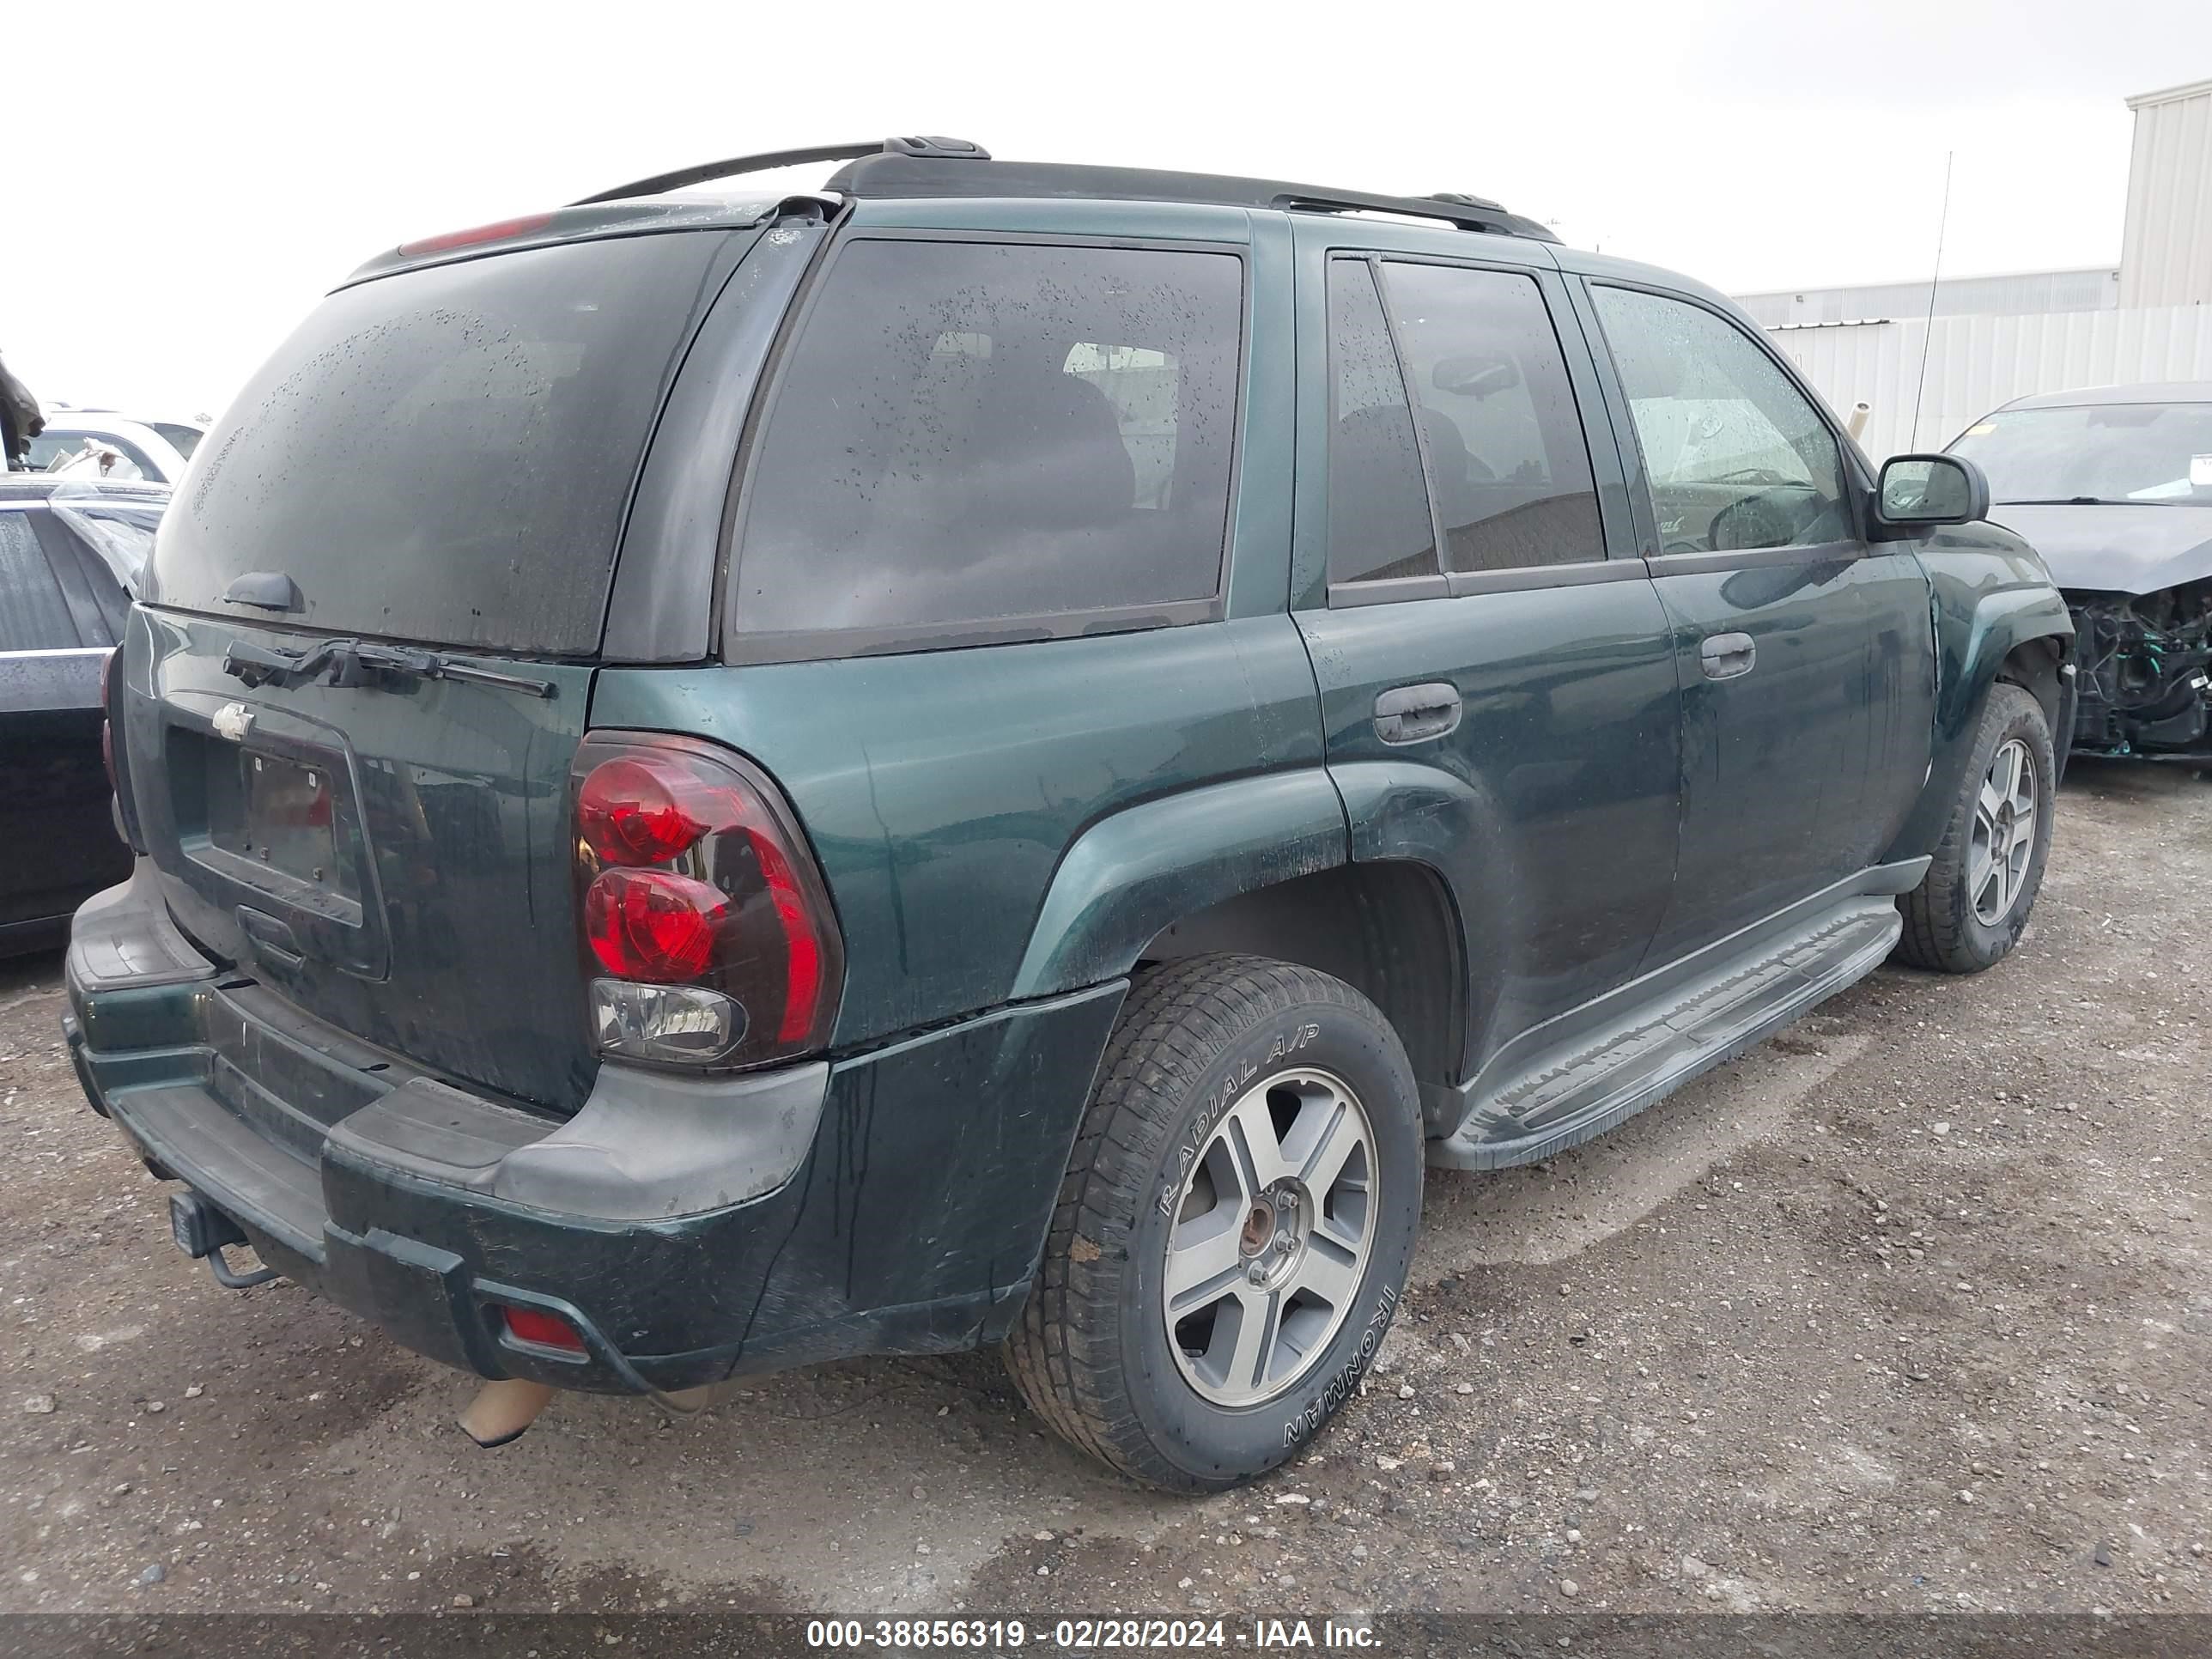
<point>1507,459</point>
<point>970,432</point>
<point>1379,525</point>
<point>1737,456</point>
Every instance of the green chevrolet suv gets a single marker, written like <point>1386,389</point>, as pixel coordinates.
<point>1001,754</point>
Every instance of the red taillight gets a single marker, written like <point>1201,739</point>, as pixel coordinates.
<point>118,768</point>
<point>476,234</point>
<point>631,812</point>
<point>107,671</point>
<point>547,1330</point>
<point>691,873</point>
<point>651,926</point>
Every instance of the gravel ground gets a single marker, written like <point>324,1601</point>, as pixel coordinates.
<point>1910,1310</point>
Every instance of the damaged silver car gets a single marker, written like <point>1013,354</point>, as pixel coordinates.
<point>2114,487</point>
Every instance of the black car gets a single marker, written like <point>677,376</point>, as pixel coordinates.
<point>70,556</point>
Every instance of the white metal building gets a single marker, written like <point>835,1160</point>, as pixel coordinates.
<point>2166,252</point>
<point>2094,288</point>
<point>1994,338</point>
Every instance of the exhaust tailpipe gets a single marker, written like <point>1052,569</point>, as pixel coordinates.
<point>502,1410</point>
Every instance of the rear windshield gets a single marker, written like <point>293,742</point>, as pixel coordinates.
<point>446,454</point>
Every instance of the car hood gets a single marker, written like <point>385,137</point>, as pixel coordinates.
<point>2127,548</point>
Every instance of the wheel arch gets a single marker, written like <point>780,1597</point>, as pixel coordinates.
<point>1388,928</point>
<point>1133,873</point>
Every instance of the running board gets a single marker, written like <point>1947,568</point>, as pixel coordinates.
<point>1584,1086</point>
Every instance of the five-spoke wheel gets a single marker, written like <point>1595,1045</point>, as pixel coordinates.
<point>2003,838</point>
<point>1232,1238</point>
<point>1970,906</point>
<point>1270,1236</point>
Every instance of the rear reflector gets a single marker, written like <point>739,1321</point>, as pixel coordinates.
<point>547,1330</point>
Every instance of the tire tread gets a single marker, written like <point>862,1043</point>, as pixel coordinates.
<point>1062,1352</point>
<point>1935,935</point>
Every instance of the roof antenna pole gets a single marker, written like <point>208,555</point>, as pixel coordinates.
<point>1928,334</point>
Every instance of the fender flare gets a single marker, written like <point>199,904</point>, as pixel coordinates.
<point>1134,872</point>
<point>1977,628</point>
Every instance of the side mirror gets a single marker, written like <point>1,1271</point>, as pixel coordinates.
<point>1476,375</point>
<point>1918,492</point>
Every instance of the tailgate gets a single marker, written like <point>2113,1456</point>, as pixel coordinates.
<point>391,856</point>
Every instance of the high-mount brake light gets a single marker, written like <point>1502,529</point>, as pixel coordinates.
<point>704,919</point>
<point>477,235</point>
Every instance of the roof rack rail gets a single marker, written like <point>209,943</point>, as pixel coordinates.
<point>897,172</point>
<point>1467,212</point>
<point>920,147</point>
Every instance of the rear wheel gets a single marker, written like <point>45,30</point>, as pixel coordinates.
<point>1235,1227</point>
<point>1969,909</point>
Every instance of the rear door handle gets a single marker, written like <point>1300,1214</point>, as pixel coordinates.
<point>1413,714</point>
<point>1725,656</point>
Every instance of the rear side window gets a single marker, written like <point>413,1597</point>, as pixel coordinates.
<point>34,614</point>
<point>1507,459</point>
<point>1379,524</point>
<point>446,454</point>
<point>972,434</point>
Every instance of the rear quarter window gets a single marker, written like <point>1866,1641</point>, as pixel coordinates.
<point>970,434</point>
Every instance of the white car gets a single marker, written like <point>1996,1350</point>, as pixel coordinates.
<point>96,443</point>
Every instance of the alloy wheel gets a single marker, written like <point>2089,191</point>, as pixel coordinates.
<point>1270,1237</point>
<point>2003,838</point>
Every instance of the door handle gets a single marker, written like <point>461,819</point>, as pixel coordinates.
<point>1725,656</point>
<point>1413,714</point>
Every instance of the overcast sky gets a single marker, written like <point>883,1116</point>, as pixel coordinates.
<point>186,179</point>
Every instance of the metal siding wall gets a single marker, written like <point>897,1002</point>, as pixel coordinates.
<point>2094,288</point>
<point>1975,363</point>
<point>2166,252</point>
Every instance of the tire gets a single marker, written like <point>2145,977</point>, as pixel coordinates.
<point>1946,926</point>
<point>1175,1140</point>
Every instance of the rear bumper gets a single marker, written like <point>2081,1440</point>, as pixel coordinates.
<point>892,1201</point>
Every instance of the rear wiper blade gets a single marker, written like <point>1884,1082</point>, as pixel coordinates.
<point>350,662</point>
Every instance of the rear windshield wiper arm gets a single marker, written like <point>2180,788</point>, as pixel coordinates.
<point>350,662</point>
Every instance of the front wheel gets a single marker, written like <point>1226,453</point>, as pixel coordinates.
<point>1235,1226</point>
<point>1969,909</point>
